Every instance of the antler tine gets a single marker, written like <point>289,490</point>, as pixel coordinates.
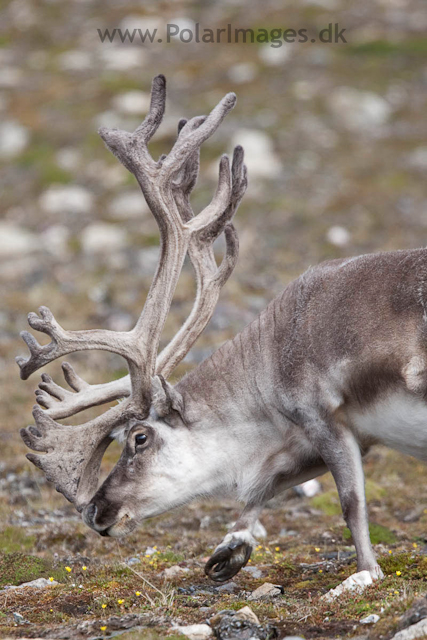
<point>209,277</point>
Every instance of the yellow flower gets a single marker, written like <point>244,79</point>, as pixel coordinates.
<point>320,570</point>
<point>68,569</point>
<point>84,568</point>
<point>277,549</point>
<point>151,562</point>
<point>51,610</point>
<point>155,547</point>
<point>414,544</point>
<point>249,561</point>
<point>103,628</point>
<point>121,601</point>
<point>396,593</point>
<point>390,551</point>
<point>51,579</point>
<point>137,593</point>
<point>104,606</point>
<point>317,549</point>
<point>398,573</point>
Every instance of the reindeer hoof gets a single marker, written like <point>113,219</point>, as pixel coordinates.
<point>227,561</point>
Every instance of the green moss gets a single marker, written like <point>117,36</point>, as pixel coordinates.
<point>374,492</point>
<point>15,539</point>
<point>412,46</point>
<point>377,533</point>
<point>327,502</point>
<point>16,568</point>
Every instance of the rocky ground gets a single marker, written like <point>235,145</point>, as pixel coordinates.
<point>336,144</point>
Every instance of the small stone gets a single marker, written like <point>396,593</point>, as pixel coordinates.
<point>242,72</point>
<point>60,199</point>
<point>359,110</point>
<point>55,240</point>
<point>129,205</point>
<point>229,587</point>
<point>122,58</point>
<point>196,631</point>
<point>15,240</point>
<point>417,159</point>
<point>371,619</point>
<point>261,160</point>
<point>132,102</point>
<point>247,614</point>
<point>338,236</point>
<point>356,582</point>
<point>102,237</point>
<point>266,590</point>
<point>174,572</point>
<point>259,531</point>
<point>275,56</point>
<point>133,561</point>
<point>14,138</point>
<point>75,60</point>
<point>253,571</point>
<point>19,619</point>
<point>309,489</point>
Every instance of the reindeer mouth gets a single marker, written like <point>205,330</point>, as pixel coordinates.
<point>122,527</point>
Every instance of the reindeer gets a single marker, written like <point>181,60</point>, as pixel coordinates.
<point>335,364</point>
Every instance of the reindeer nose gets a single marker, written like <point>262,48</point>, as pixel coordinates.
<point>89,514</point>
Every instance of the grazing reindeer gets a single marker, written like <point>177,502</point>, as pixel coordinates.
<point>336,363</point>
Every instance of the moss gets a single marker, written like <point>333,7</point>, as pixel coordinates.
<point>377,533</point>
<point>327,502</point>
<point>412,46</point>
<point>15,539</point>
<point>16,568</point>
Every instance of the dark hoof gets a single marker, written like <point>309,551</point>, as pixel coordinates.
<point>227,561</point>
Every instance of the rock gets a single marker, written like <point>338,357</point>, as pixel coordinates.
<point>174,572</point>
<point>196,631</point>
<point>261,160</point>
<point>417,159</point>
<point>14,138</point>
<point>259,531</point>
<point>275,56</point>
<point>229,587</point>
<point>371,619</point>
<point>15,240</point>
<point>63,199</point>
<point>266,590</point>
<point>75,60</point>
<point>242,72</point>
<point>359,110</point>
<point>356,582</point>
<point>338,236</point>
<point>133,561</point>
<point>19,619</point>
<point>132,102</point>
<point>247,614</point>
<point>39,583</point>
<point>129,204</point>
<point>243,624</point>
<point>418,630</point>
<point>102,237</point>
<point>121,58</point>
<point>308,489</point>
<point>254,571</point>
<point>55,240</point>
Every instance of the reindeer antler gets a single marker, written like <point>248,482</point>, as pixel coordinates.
<point>166,185</point>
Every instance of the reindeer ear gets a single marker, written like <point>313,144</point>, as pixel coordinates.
<point>164,398</point>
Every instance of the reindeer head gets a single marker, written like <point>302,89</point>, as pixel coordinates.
<point>152,417</point>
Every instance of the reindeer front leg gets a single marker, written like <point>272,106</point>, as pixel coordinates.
<point>235,550</point>
<point>341,453</point>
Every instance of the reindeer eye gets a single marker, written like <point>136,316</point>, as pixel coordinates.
<point>140,438</point>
